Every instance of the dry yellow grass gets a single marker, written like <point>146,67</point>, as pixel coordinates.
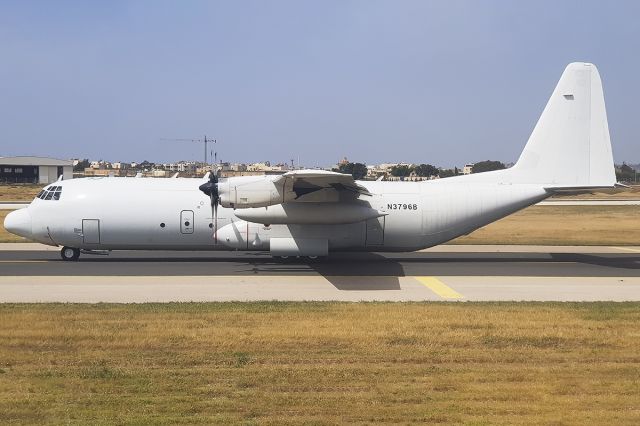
<point>320,363</point>
<point>19,192</point>
<point>563,225</point>
<point>632,193</point>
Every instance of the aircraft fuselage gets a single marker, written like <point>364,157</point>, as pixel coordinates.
<point>129,213</point>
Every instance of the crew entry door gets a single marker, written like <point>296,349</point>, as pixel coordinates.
<point>91,231</point>
<point>186,221</point>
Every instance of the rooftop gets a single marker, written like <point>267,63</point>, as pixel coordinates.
<point>34,161</point>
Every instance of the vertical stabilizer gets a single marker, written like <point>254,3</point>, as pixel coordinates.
<point>570,145</point>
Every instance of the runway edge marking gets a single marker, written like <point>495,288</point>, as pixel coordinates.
<point>439,288</point>
<point>627,249</point>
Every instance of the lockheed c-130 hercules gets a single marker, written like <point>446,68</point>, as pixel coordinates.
<point>309,213</point>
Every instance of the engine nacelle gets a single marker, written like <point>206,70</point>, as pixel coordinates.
<point>310,214</point>
<point>253,191</point>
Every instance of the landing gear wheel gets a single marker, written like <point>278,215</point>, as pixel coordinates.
<point>69,253</point>
<point>316,259</point>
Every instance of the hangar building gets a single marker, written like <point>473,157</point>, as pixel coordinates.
<point>41,170</point>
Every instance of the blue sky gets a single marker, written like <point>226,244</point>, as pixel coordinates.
<point>441,82</point>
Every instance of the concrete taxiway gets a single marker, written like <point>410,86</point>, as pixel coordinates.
<point>33,273</point>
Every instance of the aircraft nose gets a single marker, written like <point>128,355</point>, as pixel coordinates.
<point>19,223</point>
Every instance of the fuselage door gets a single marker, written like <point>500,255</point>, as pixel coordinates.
<point>375,231</point>
<point>186,221</point>
<point>91,231</point>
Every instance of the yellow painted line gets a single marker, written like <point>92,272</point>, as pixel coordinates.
<point>627,249</point>
<point>439,288</point>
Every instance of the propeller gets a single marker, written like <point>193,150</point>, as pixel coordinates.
<point>210,188</point>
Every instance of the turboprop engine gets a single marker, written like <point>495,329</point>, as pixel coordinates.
<point>254,191</point>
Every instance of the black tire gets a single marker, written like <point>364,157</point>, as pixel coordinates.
<point>69,253</point>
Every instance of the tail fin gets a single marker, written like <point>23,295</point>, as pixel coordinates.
<point>570,145</point>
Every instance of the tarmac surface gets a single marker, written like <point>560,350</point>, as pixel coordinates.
<point>34,273</point>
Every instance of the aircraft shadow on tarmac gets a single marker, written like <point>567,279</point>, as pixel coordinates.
<point>370,271</point>
<point>355,271</point>
<point>622,262</point>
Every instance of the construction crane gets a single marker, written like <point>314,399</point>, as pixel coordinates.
<point>204,140</point>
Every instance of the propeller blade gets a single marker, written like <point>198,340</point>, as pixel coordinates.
<point>215,223</point>
<point>210,188</point>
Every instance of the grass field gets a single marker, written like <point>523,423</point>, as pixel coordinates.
<point>563,225</point>
<point>632,193</point>
<point>21,192</point>
<point>320,363</point>
<point>553,225</point>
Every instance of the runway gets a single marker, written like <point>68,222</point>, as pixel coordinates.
<point>452,273</point>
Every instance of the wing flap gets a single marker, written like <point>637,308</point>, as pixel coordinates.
<point>305,182</point>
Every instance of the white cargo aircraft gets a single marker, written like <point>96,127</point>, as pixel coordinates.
<point>311,212</point>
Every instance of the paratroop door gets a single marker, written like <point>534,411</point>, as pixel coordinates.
<point>375,231</point>
<point>91,231</point>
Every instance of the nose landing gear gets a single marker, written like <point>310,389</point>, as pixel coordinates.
<point>69,253</point>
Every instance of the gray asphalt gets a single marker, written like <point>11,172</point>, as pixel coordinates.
<point>171,263</point>
<point>451,273</point>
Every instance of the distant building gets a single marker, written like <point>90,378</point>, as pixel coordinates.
<point>260,167</point>
<point>374,172</point>
<point>100,165</point>
<point>188,167</point>
<point>467,169</point>
<point>120,165</point>
<point>236,167</point>
<point>89,171</point>
<point>41,170</point>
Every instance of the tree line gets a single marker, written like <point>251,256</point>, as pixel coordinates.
<point>359,170</point>
<point>627,173</point>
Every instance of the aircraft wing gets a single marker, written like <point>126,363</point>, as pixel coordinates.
<point>305,182</point>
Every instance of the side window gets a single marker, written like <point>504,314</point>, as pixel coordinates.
<point>49,195</point>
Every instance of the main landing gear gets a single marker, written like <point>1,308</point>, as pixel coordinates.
<point>292,259</point>
<point>69,253</point>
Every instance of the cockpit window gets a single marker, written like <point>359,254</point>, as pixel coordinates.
<point>50,193</point>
